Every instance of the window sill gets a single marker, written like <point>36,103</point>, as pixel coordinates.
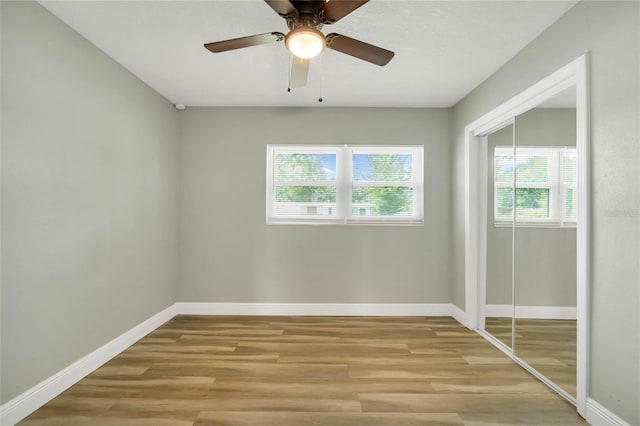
<point>550,225</point>
<point>324,222</point>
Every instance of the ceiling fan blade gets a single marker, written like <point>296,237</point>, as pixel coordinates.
<point>359,49</point>
<point>299,71</point>
<point>239,43</point>
<point>338,9</point>
<point>282,7</point>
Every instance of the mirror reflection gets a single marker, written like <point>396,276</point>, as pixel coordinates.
<point>499,276</point>
<point>545,239</point>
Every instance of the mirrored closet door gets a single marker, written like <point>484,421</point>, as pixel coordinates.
<point>531,217</point>
<point>498,308</point>
<point>527,190</point>
<point>544,284</point>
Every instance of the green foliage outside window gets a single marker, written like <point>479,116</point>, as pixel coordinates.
<point>379,201</point>
<point>385,200</point>
<point>531,203</point>
<point>298,167</point>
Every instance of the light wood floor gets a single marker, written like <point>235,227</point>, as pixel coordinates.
<point>267,371</point>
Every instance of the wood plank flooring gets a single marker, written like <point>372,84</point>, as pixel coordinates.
<point>333,371</point>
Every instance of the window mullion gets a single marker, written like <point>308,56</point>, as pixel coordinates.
<point>271,196</point>
<point>374,184</point>
<point>306,183</point>
<point>418,189</point>
<point>561,210</point>
<point>346,168</point>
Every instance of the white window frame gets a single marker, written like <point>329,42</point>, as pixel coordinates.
<point>566,221</point>
<point>344,185</point>
<point>556,185</point>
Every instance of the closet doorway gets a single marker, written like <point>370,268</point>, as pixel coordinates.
<point>527,223</point>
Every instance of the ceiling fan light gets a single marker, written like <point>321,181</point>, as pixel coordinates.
<point>305,43</point>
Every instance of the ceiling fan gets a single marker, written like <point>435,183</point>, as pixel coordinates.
<point>304,40</point>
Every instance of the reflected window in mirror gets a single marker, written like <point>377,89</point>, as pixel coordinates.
<point>545,186</point>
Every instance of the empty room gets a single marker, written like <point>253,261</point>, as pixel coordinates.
<point>310,212</point>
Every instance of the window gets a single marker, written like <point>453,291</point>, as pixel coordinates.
<point>545,186</point>
<point>344,184</point>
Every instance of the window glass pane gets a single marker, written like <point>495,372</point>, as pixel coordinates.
<point>532,168</point>
<point>304,167</point>
<point>306,194</point>
<point>305,201</point>
<point>504,168</point>
<point>382,167</point>
<point>532,203</point>
<point>504,203</point>
<point>382,201</point>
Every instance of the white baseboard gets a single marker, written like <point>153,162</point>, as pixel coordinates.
<point>26,403</point>
<point>459,315</point>
<point>315,309</point>
<point>597,415</point>
<point>532,312</point>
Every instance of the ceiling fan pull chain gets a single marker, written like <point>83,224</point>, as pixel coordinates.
<point>289,64</point>
<point>321,74</point>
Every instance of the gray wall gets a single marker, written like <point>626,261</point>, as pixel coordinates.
<point>610,31</point>
<point>229,254</point>
<point>545,257</point>
<point>88,174</point>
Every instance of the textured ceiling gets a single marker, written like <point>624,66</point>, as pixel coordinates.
<point>443,49</point>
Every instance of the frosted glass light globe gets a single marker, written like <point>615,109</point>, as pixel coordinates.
<point>305,43</point>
